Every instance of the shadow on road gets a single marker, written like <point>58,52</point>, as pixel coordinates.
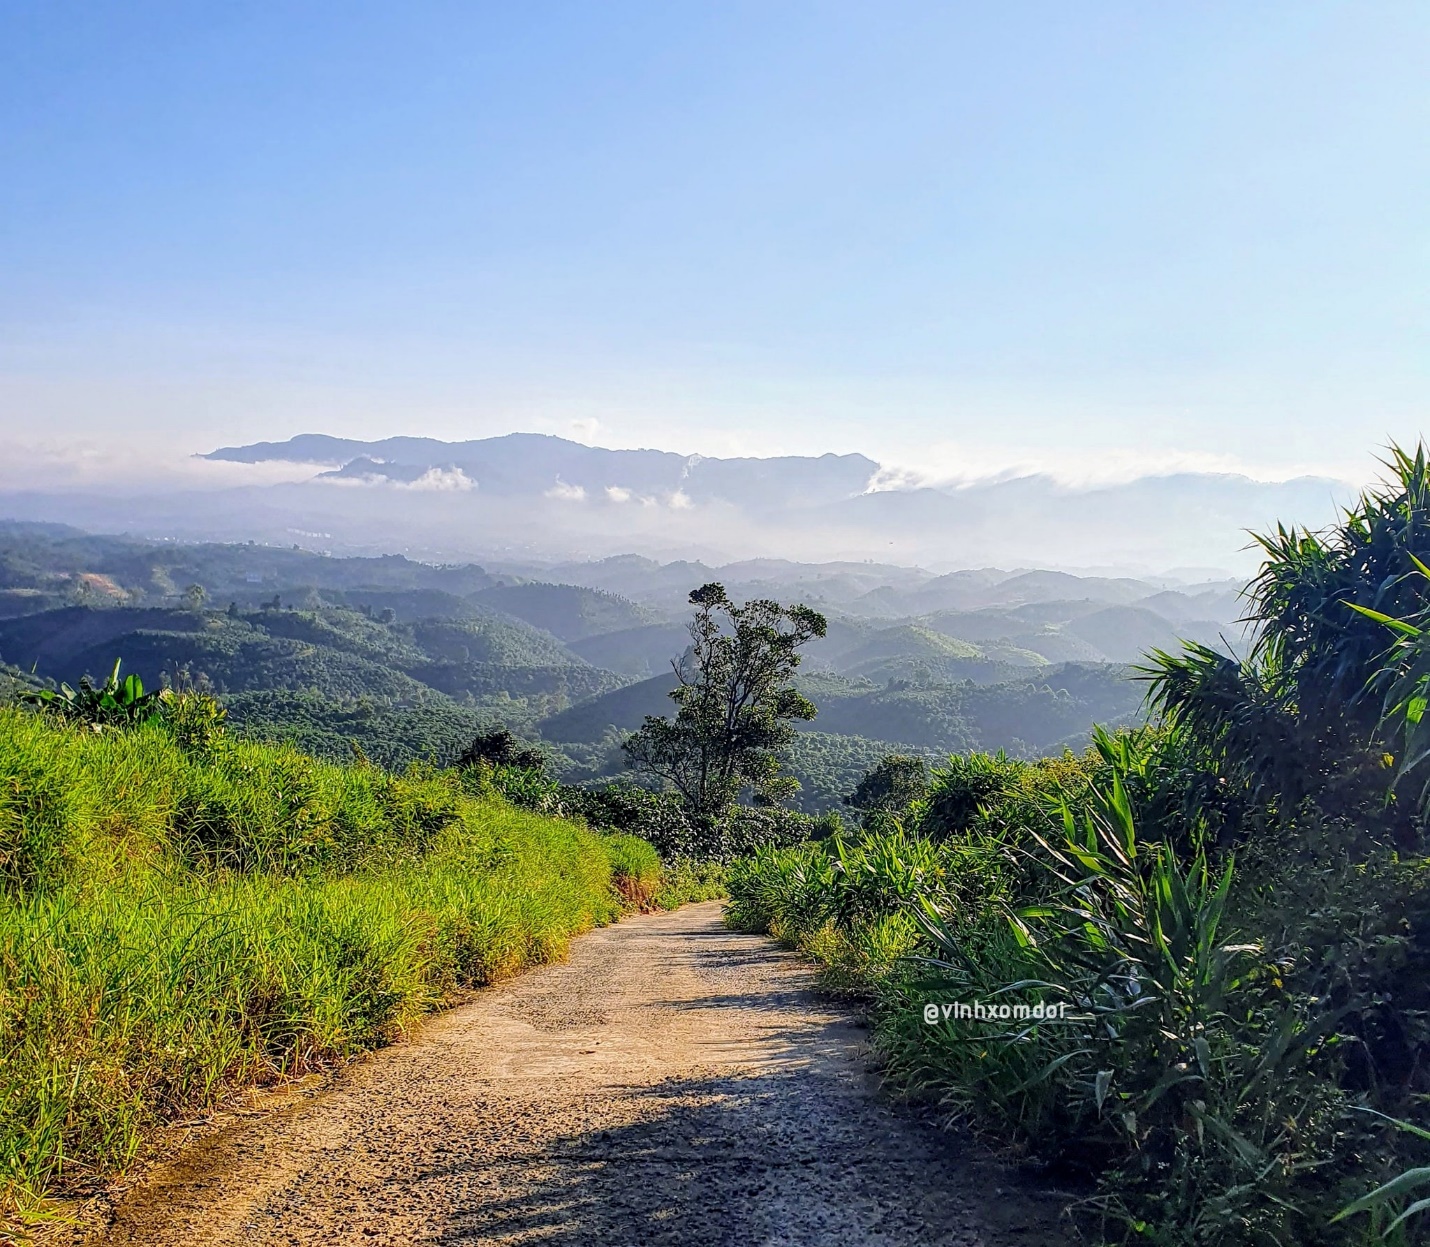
<point>769,1159</point>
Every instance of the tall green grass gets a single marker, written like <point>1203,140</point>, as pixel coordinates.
<point>174,922</point>
<point>1194,1078</point>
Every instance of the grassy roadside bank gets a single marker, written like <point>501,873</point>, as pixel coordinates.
<point>1236,1057</point>
<point>181,916</point>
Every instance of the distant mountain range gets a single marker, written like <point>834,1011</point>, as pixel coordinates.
<point>528,497</point>
<point>529,465</point>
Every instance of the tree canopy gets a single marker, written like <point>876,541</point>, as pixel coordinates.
<point>736,703</point>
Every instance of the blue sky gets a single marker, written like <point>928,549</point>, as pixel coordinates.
<point>1103,238</point>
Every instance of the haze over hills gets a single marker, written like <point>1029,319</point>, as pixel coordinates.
<point>525,498</point>
<point>405,659</point>
<point>403,594</point>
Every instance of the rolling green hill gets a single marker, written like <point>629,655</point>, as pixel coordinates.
<point>643,651</point>
<point>435,728</point>
<point>623,708</point>
<point>52,557</point>
<point>905,641</point>
<point>243,650</point>
<point>408,660</point>
<point>1024,715</point>
<point>829,767</point>
<point>570,612</point>
<point>327,676</point>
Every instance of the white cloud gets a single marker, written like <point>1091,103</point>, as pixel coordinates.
<point>441,479</point>
<point>680,501</point>
<point>566,493</point>
<point>110,467</point>
<point>956,464</point>
<point>620,494</point>
<point>894,478</point>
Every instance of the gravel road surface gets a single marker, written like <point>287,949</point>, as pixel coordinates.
<point>671,1084</point>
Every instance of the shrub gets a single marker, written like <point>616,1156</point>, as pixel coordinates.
<point>1201,1076</point>
<point>684,881</point>
<point>635,869</point>
<point>891,787</point>
<point>115,703</point>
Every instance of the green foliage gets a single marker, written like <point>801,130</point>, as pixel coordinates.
<point>684,881</point>
<point>960,793</point>
<point>196,720</point>
<point>661,818</point>
<point>1405,676</point>
<point>500,748</point>
<point>529,787</point>
<point>111,704</point>
<point>841,895</point>
<point>268,808</point>
<point>736,704</point>
<point>175,920</point>
<point>781,890</point>
<point>830,767</point>
<point>1316,649</point>
<point>390,735</point>
<point>1183,1071</point>
<point>1299,719</point>
<point>635,869</point>
<point>42,809</point>
<point>1185,1075</point>
<point>891,787</point>
<point>1386,1205</point>
<point>633,858</point>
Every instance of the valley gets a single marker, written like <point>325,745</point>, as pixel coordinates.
<point>405,660</point>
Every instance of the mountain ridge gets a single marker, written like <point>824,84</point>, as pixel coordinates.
<point>524,498</point>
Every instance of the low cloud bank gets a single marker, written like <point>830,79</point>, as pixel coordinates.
<point>544,497</point>
<point>107,468</point>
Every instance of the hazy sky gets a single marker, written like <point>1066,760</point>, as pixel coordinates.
<point>1097,236</point>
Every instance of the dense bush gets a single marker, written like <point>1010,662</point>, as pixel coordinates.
<point>1219,1026</point>
<point>635,869</point>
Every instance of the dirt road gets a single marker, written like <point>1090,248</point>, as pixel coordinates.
<point>672,1083</point>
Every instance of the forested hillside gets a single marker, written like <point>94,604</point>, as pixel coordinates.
<point>405,660</point>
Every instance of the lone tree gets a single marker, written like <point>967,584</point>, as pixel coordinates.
<point>736,704</point>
